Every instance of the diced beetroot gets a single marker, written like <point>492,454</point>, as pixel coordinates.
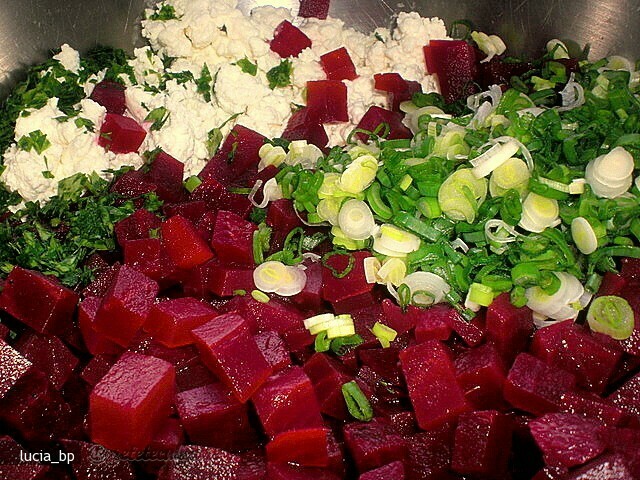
<point>126,305</point>
<point>136,226</point>
<point>273,349</point>
<point>53,311</point>
<point>282,218</point>
<point>508,327</point>
<point>351,290</point>
<point>627,396</point>
<point>498,72</point>
<point>288,40</point>
<point>535,387</point>
<point>632,344</point>
<point>148,256</point>
<point>183,244</point>
<point>286,401</point>
<point>165,442</point>
<point>314,9</point>
<point>120,134</point>
<point>327,376</point>
<point>97,368</point>
<point>236,158</point>
<point>307,447</point>
<point>102,282</point>
<point>381,121</point>
<point>93,462</point>
<point>253,466</point>
<point>205,224</point>
<point>327,101</point>
<point>232,239</point>
<point>218,197</point>
<point>593,406</point>
<point>229,350</point>
<point>612,284</point>
<point>192,374</point>
<point>166,173</point>
<point>624,441</point>
<point>630,270</point>
<point>130,402</point>
<point>282,471</point>
<point>194,462</point>
<point>133,185</point>
<point>606,467</point>
<point>310,298</point>
<point>432,327</point>
<point>401,321</point>
<point>225,280</point>
<point>436,396</point>
<point>274,315</point>
<point>171,321</point>
<point>430,454</point>
<point>374,444</point>
<point>384,362</point>
<point>566,439</point>
<point>13,366</point>
<point>10,465</point>
<point>95,342</point>
<point>469,333</point>
<point>110,95</point>
<point>481,373</point>
<point>212,416</point>
<point>305,125</point>
<point>191,210</point>
<point>398,89</point>
<point>50,355</point>
<point>454,63</point>
<point>482,444</point>
<point>392,471</point>
<point>338,65</point>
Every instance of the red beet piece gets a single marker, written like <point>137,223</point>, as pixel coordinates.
<point>383,362</point>
<point>226,280</point>
<point>381,121</point>
<point>281,471</point>
<point>191,210</point>
<point>97,368</point>
<point>624,441</point>
<point>110,95</point>
<point>305,125</point>
<point>166,173</point>
<point>237,156</point>
<point>310,298</point>
<point>125,306</point>
<point>627,396</point>
<point>481,373</point>
<point>288,40</point>
<point>286,401</point>
<point>571,347</point>
<point>314,8</point>
<point>307,447</point>
<point>13,366</point>
<point>566,439</point>
<point>136,226</point>
<point>398,89</point>
<point>274,315</point>
<point>593,406</point>
<point>148,256</point>
<point>338,65</point>
<point>50,355</point>
<point>165,442</point>
<point>282,218</point>
<point>130,402</point>
<point>94,462</point>
<point>632,344</point>
<point>95,342</point>
<point>217,197</point>
<point>212,416</point>
<point>229,350</point>
<point>606,467</point>
<point>482,444</point>
<point>430,454</point>
<point>232,239</point>
<point>454,63</point>
<point>10,465</point>
<point>392,471</point>
<point>630,270</point>
<point>432,327</point>
<point>120,134</point>
<point>535,387</point>
<point>612,284</point>
<point>193,462</point>
<point>508,327</point>
<point>273,349</point>
<point>436,396</point>
<point>100,285</point>
<point>53,311</point>
<point>171,321</point>
<point>350,291</point>
<point>133,185</point>
<point>327,376</point>
<point>401,321</point>
<point>184,246</point>
<point>470,334</point>
<point>327,101</point>
<point>498,72</point>
<point>374,444</point>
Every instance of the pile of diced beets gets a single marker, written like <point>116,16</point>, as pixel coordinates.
<point>166,367</point>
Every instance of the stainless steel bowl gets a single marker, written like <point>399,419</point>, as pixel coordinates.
<point>29,28</point>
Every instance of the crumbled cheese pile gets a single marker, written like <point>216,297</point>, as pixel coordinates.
<point>208,40</point>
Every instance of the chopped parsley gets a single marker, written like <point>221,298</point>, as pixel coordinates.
<point>203,84</point>
<point>247,67</point>
<point>280,76</point>
<point>36,140</point>
<point>158,116</point>
<point>47,174</point>
<point>86,123</point>
<point>166,12</point>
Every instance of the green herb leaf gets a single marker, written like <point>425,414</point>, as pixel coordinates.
<point>35,140</point>
<point>166,12</point>
<point>158,116</point>
<point>204,83</point>
<point>247,67</point>
<point>86,123</point>
<point>280,76</point>
<point>47,174</point>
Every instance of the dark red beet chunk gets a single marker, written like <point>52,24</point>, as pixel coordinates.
<point>481,373</point>
<point>314,8</point>
<point>229,350</point>
<point>232,239</point>
<point>454,62</point>
<point>130,402</point>
<point>338,65</point>
<point>304,125</point>
<point>165,172</point>
<point>606,467</point>
<point>193,462</point>
<point>97,368</point>
<point>136,226</point>
<point>225,280</point>
<point>133,184</point>
<point>50,355</point>
<point>148,256</point>
<point>110,95</point>
<point>218,197</point>
<point>327,101</point>
<point>13,366</point>
<point>374,444</point>
<point>430,454</point>
<point>398,89</point>
<point>508,327</point>
<point>435,394</point>
<point>191,210</point>
<point>281,471</point>
<point>350,291</point>
<point>288,40</point>
<point>53,311</point>
<point>594,407</point>
<point>120,134</point>
<point>273,349</point>
<point>95,342</point>
<point>310,298</point>
<point>307,447</point>
<point>498,72</point>
<point>627,396</point>
<point>287,402</point>
<point>328,375</point>
<point>377,120</point>
<point>392,471</point>
<point>165,442</point>
<point>10,465</point>
<point>612,284</point>
<point>171,321</point>
<point>183,243</point>
<point>94,462</point>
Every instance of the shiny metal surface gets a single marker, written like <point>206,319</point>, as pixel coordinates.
<point>29,28</point>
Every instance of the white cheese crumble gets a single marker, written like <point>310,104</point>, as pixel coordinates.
<point>69,58</point>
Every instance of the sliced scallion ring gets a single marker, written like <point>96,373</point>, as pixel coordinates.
<point>612,316</point>
<point>356,220</point>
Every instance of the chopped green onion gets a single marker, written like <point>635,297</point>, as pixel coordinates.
<point>357,403</point>
<point>260,296</point>
<point>384,334</point>
<point>480,294</point>
<point>612,316</point>
<point>192,183</point>
<point>322,343</point>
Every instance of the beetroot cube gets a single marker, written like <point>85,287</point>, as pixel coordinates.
<point>310,298</point>
<point>229,350</point>
<point>283,471</point>
<point>383,362</point>
<point>126,305</point>
<point>338,65</point>
<point>92,462</point>
<point>432,327</point>
<point>430,454</point>
<point>454,63</point>
<point>374,444</point>
<point>212,416</point>
<point>392,471</point>
<point>327,101</point>
<point>535,387</point>
<point>166,173</point>
<point>97,368</point>
<point>273,349</point>
<point>282,218</point>
<point>307,447</point>
<point>630,270</point>
<point>593,406</point>
<point>193,374</point>
<point>164,444</point>
<point>183,244</point>
<point>226,280</point>
<point>305,125</point>
<point>110,95</point>
<point>401,321</point>
<point>53,311</point>
<point>398,89</point>
<point>95,342</point>
<point>120,134</point>
<point>498,72</point>
<point>627,396</point>
<point>50,355</point>
<point>130,402</point>
<point>10,465</point>
<point>436,396</point>
<point>287,402</point>
<point>566,439</point>
<point>13,366</point>
<point>232,239</point>
<point>274,315</point>
<point>136,226</point>
<point>350,290</point>
<point>314,8</point>
<point>132,185</point>
<point>612,284</point>
<point>171,321</point>
<point>193,462</point>
<point>192,210</point>
<point>488,435</point>
<point>288,40</point>
<point>148,256</point>
<point>611,466</point>
<point>381,121</point>
<point>469,333</point>
<point>218,197</point>
<point>327,376</point>
<point>508,327</point>
<point>481,374</point>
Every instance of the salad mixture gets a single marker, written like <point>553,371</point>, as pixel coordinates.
<point>268,246</point>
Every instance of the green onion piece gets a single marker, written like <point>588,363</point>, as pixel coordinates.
<point>192,183</point>
<point>322,343</point>
<point>405,182</point>
<point>419,227</point>
<point>518,297</point>
<point>343,345</point>
<point>429,207</point>
<point>384,334</point>
<point>260,296</point>
<point>357,403</point>
<point>376,203</point>
<point>593,283</point>
<point>612,316</point>
<point>525,274</point>
<point>240,293</point>
<point>480,294</point>
<point>497,283</point>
